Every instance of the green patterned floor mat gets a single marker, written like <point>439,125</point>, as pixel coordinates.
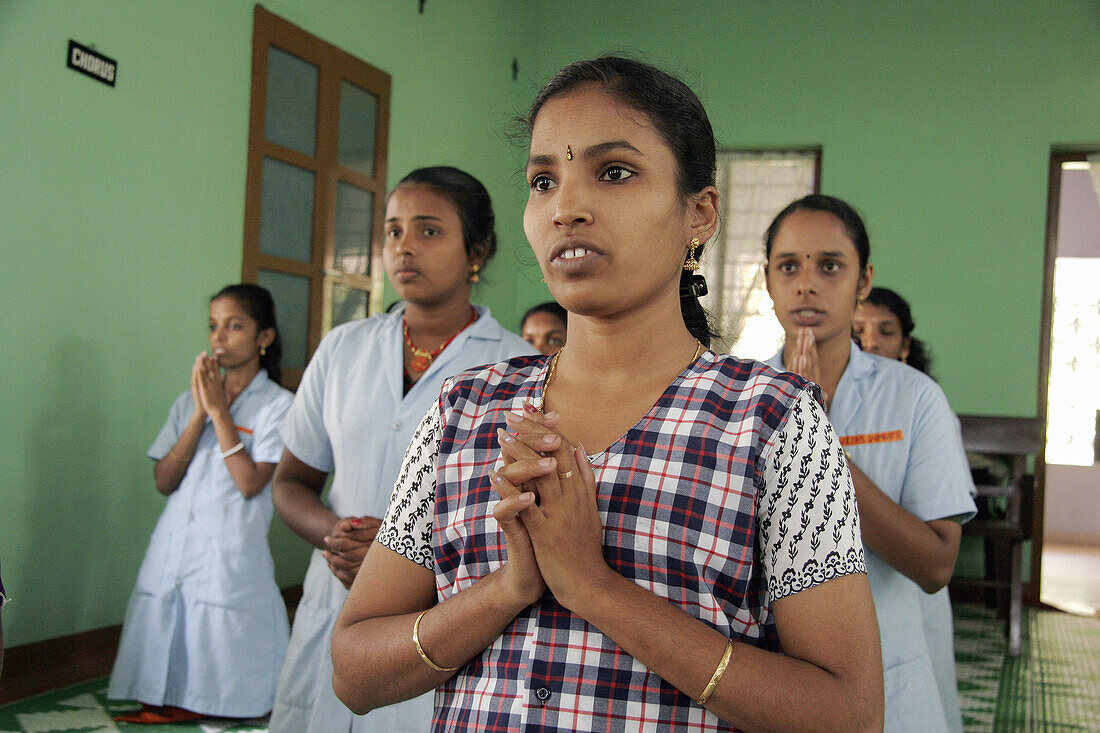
<point>85,708</point>
<point>1052,687</point>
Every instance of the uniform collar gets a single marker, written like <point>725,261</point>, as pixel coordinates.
<point>258,382</point>
<point>485,328</point>
<point>849,392</point>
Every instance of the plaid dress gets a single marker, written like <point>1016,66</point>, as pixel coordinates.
<point>732,492</point>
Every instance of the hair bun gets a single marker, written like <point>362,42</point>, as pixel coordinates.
<point>694,286</point>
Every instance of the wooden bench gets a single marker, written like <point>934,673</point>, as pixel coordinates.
<point>1004,510</point>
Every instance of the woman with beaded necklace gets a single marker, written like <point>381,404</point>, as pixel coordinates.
<point>626,534</point>
<point>360,399</point>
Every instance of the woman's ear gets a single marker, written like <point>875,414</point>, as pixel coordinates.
<point>903,355</point>
<point>863,289</point>
<point>704,213</point>
<point>478,253</point>
<point>265,337</point>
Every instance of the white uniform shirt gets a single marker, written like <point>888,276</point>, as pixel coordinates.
<point>350,418</point>
<point>206,625</point>
<point>899,429</point>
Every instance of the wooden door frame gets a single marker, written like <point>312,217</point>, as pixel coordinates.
<point>334,66</point>
<point>1058,156</point>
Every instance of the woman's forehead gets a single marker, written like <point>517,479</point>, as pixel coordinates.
<point>419,200</point>
<point>587,117</point>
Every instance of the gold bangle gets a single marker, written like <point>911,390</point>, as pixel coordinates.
<point>420,649</point>
<point>718,672</point>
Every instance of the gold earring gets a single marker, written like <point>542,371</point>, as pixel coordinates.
<point>859,301</point>
<point>263,351</point>
<point>474,277</point>
<point>692,264</point>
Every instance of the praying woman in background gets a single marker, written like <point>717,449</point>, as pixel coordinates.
<point>884,326</point>
<point>206,627</point>
<point>544,327</point>
<point>626,535</point>
<point>361,397</point>
<point>903,441</point>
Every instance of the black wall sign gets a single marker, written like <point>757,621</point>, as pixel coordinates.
<point>95,65</point>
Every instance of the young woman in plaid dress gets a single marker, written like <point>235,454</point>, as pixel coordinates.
<point>636,533</point>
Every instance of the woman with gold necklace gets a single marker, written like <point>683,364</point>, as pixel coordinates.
<point>637,556</point>
<point>360,399</point>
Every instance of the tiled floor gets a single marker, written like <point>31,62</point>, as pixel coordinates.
<point>1052,687</point>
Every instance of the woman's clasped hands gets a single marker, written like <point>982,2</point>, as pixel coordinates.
<point>208,386</point>
<point>547,511</point>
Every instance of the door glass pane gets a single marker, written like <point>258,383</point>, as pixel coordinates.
<point>348,304</point>
<point>290,115</point>
<point>354,221</point>
<point>286,211</point>
<point>291,295</point>
<point>358,118</point>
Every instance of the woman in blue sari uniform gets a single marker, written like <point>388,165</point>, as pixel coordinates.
<point>902,439</point>
<point>884,326</point>
<point>206,627</point>
<point>361,397</point>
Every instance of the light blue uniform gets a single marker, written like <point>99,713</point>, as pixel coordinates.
<point>206,626</point>
<point>900,431</point>
<point>350,418</point>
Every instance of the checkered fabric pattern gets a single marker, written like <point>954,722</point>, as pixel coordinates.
<point>730,493</point>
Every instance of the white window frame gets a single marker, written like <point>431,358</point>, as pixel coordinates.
<point>755,185</point>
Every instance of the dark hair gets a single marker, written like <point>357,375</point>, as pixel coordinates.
<point>550,307</point>
<point>675,113</point>
<point>849,218</point>
<point>919,357</point>
<point>258,303</point>
<point>470,199</point>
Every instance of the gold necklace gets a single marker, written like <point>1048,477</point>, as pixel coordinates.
<point>423,359</point>
<point>554,366</point>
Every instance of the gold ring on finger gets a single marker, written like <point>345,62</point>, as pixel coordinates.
<point>565,475</point>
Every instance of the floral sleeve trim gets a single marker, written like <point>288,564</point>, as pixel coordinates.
<point>407,526</point>
<point>807,518</point>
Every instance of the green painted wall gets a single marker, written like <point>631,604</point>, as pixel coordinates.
<point>936,119</point>
<point>121,209</point>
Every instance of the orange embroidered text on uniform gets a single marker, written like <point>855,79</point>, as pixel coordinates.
<point>891,436</point>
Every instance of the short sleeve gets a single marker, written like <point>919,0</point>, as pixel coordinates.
<point>807,519</point>
<point>407,526</point>
<point>303,431</point>
<point>169,435</point>
<point>267,443</point>
<point>937,476</point>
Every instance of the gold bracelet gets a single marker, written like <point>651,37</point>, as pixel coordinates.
<point>718,672</point>
<point>420,649</point>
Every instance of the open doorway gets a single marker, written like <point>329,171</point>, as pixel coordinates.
<point>1066,556</point>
